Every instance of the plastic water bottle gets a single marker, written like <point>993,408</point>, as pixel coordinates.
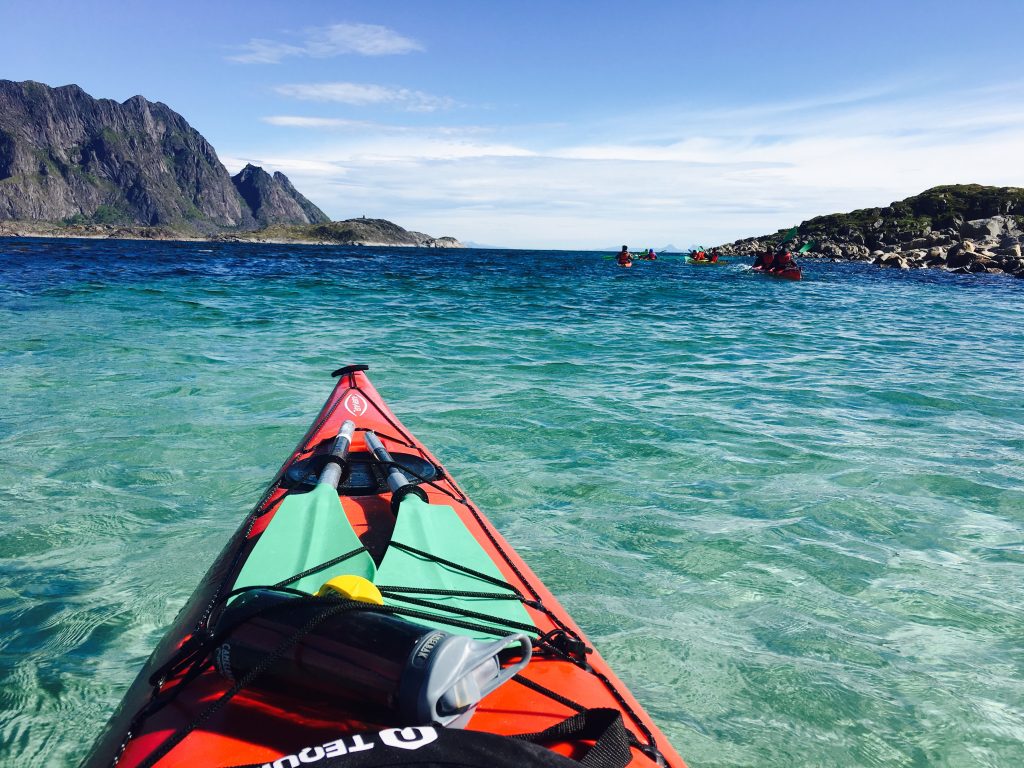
<point>402,672</point>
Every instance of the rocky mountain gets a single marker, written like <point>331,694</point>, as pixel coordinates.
<point>273,199</point>
<point>69,159</point>
<point>964,228</point>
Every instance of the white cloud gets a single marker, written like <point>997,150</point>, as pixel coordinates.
<point>364,39</point>
<point>260,51</point>
<point>297,121</point>
<point>442,132</point>
<point>361,94</point>
<point>337,39</point>
<point>679,182</point>
<point>412,147</point>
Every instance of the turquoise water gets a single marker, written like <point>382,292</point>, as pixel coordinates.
<point>791,515</point>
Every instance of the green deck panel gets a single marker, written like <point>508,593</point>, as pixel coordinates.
<point>307,529</point>
<point>437,529</point>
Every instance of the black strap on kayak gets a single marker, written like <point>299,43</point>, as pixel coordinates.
<point>405,594</point>
<point>317,568</point>
<point>566,643</point>
<point>430,747</point>
<point>449,563</point>
<point>562,641</point>
<point>649,749</point>
<point>449,610</point>
<point>603,726</point>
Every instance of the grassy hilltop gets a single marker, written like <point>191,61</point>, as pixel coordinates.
<point>945,207</point>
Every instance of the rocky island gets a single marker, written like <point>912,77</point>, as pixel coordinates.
<point>75,166</point>
<point>361,231</point>
<point>962,228</point>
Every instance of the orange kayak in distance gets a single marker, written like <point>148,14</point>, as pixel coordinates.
<point>786,274</point>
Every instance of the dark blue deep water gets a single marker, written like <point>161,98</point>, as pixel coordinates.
<point>791,515</point>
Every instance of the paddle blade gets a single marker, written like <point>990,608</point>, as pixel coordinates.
<point>307,530</point>
<point>788,236</point>
<point>437,529</point>
<point>807,246</point>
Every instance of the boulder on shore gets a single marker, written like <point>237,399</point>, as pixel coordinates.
<point>966,229</point>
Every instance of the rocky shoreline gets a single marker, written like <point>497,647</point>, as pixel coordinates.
<point>928,231</point>
<point>991,246</point>
<point>358,232</point>
<point>361,231</point>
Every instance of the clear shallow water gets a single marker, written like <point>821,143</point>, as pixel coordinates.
<point>790,515</point>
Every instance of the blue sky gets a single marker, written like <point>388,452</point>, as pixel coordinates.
<point>566,124</point>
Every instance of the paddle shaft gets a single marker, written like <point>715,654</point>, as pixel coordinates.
<point>396,478</point>
<point>331,473</point>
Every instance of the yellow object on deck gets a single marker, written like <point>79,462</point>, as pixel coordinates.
<point>352,588</point>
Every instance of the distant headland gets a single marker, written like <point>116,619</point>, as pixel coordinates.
<point>961,228</point>
<point>75,166</point>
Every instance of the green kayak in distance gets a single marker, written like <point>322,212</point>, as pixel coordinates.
<point>660,257</point>
<point>636,260</point>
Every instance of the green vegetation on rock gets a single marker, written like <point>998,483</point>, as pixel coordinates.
<point>945,207</point>
<point>962,228</point>
<point>104,214</point>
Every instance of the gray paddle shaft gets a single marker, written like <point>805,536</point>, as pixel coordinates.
<point>396,478</point>
<point>332,471</point>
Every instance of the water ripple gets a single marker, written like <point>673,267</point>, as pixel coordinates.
<point>790,515</point>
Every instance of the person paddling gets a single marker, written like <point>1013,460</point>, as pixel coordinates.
<point>764,260</point>
<point>783,262</point>
<point>625,258</point>
<point>714,255</point>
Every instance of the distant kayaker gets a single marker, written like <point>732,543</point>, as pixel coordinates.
<point>714,255</point>
<point>783,262</point>
<point>625,258</point>
<point>650,255</point>
<point>765,260</point>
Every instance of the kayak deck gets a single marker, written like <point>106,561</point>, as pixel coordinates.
<point>786,274</point>
<point>196,717</point>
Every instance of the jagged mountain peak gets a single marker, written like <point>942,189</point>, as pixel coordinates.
<point>273,199</point>
<point>66,156</point>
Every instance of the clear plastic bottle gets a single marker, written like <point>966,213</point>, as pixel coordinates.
<point>386,666</point>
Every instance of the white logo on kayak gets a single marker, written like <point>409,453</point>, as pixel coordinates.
<point>408,738</point>
<point>355,404</point>
<point>402,738</point>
